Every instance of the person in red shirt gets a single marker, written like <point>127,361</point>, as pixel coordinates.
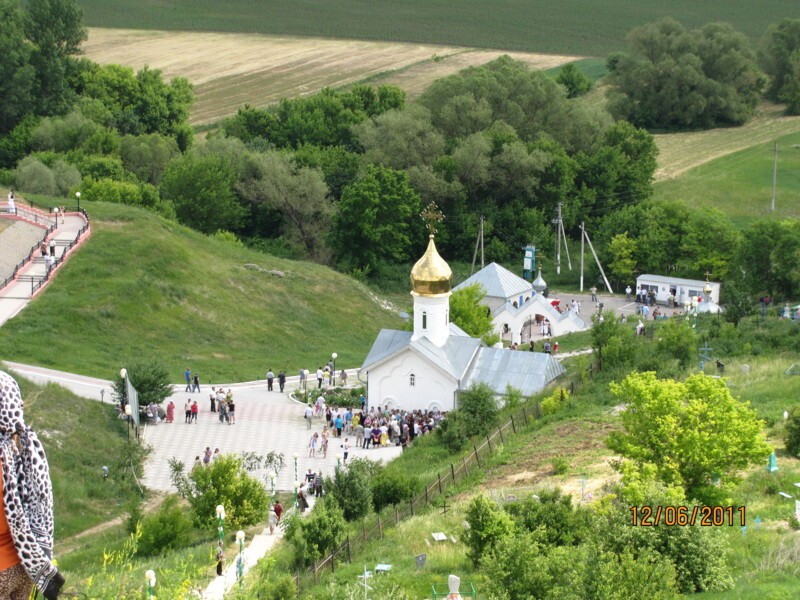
<point>195,410</point>
<point>278,511</point>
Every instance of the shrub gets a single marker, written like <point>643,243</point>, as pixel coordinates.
<point>151,381</point>
<point>678,340</point>
<point>513,397</point>
<point>350,489</point>
<point>572,78</point>
<point>479,405</point>
<point>791,432</point>
<point>561,524</point>
<point>281,588</point>
<point>66,176</point>
<point>560,465</point>
<point>454,431</point>
<point>34,177</point>
<point>169,528</point>
<point>225,481</point>
<point>135,515</point>
<point>392,487</point>
<point>316,534</point>
<point>555,401</point>
<point>107,190</point>
<point>488,525</point>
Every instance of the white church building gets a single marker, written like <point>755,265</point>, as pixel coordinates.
<point>427,368</point>
<point>517,310</point>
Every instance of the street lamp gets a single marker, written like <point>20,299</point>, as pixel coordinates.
<point>272,476</point>
<point>78,196</point>
<point>334,356</point>
<point>296,456</point>
<point>220,519</point>
<point>150,578</point>
<point>296,490</point>
<point>240,565</point>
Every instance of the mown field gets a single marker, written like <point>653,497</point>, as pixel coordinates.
<point>230,69</point>
<point>583,27</point>
<point>740,184</point>
<point>145,288</point>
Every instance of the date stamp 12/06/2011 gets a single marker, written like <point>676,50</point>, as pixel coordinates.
<point>705,516</point>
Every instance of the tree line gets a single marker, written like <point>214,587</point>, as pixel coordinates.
<point>673,79</point>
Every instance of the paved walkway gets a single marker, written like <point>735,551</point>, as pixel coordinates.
<point>15,296</point>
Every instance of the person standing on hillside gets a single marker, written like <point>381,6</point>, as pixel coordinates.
<point>593,290</point>
<point>170,412</point>
<point>196,383</point>
<point>187,375</point>
<point>270,378</point>
<point>231,413</point>
<point>195,410</point>
<point>281,380</point>
<point>302,379</point>
<point>309,413</point>
<point>53,247</point>
<point>12,208</point>
<point>319,378</point>
<point>213,400</point>
<point>188,411</point>
<point>628,293</point>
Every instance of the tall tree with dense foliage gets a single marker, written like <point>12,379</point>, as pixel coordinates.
<point>468,313</point>
<point>573,79</point>
<point>780,58</point>
<point>201,189</point>
<point>678,79</point>
<point>298,194</point>
<point>17,75</point>
<point>376,221</point>
<point>695,432</point>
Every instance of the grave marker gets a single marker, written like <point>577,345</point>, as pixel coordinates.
<point>420,560</point>
<point>440,536</point>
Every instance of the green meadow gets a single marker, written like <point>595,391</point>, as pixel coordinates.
<point>581,27</point>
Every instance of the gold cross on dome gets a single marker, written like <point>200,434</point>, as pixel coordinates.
<point>432,215</point>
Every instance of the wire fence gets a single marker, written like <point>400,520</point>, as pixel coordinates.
<point>374,527</point>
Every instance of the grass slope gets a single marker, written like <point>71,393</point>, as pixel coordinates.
<point>740,184</point>
<point>80,436</point>
<point>144,287</point>
<point>583,27</point>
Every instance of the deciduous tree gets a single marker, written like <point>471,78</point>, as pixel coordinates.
<point>780,57</point>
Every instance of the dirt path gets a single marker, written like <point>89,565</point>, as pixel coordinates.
<point>72,543</point>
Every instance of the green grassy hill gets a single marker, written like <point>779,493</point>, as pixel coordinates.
<point>80,436</point>
<point>581,27</point>
<point>740,184</point>
<point>144,287</point>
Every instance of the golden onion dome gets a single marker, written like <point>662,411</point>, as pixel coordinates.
<point>431,276</point>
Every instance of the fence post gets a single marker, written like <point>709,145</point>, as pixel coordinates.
<point>396,515</point>
<point>348,550</point>
<point>453,472</point>
<point>315,571</point>
<point>464,465</point>
<point>538,410</point>
<point>500,431</point>
<point>571,387</point>
<point>380,527</point>
<point>411,504</point>
<point>489,442</point>
<point>524,415</point>
<point>513,427</point>
<point>426,495</point>
<point>364,528</point>
<point>439,475</point>
<point>333,561</point>
<point>477,456</point>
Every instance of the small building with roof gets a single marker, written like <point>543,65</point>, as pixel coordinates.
<point>518,308</point>
<point>428,367</point>
<point>681,290</point>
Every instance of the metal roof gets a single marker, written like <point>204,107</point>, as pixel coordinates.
<point>529,372</point>
<point>466,359</point>
<point>675,280</point>
<point>454,358</point>
<point>498,282</point>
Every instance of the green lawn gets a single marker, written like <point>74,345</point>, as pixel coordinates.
<point>582,27</point>
<point>143,287</point>
<point>740,184</point>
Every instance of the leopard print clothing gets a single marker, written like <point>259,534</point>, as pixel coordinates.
<point>27,490</point>
<point>15,584</point>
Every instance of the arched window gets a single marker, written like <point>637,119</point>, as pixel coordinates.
<point>424,320</point>
<point>412,380</point>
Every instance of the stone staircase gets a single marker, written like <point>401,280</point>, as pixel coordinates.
<point>16,242</point>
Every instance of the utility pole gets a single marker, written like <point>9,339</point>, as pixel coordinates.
<point>774,175</point>
<point>582,239</point>
<point>566,248</point>
<point>597,260</point>
<point>557,221</point>
<point>483,262</point>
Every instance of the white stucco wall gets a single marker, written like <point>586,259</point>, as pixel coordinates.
<point>683,291</point>
<point>537,305</point>
<point>389,383</point>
